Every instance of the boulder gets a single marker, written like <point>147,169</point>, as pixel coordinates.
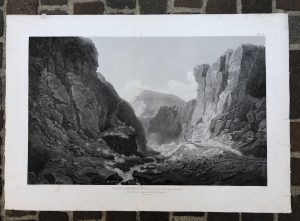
<point>237,134</point>
<point>261,104</point>
<point>262,125</point>
<point>249,136</point>
<point>250,116</point>
<point>129,163</point>
<point>121,140</point>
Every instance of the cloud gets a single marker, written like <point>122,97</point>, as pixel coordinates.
<point>190,77</point>
<point>186,90</point>
<point>131,89</point>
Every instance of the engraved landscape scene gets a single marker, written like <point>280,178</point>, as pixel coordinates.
<point>147,111</point>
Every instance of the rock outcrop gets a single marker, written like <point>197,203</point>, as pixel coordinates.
<point>69,102</point>
<point>160,115</point>
<point>231,100</point>
<point>186,118</point>
<point>165,126</point>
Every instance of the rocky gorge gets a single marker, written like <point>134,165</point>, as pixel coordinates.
<point>82,132</point>
<point>75,115</point>
<point>231,101</point>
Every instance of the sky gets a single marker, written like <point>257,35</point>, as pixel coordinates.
<point>163,64</point>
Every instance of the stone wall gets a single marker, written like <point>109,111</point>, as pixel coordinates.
<point>292,7</point>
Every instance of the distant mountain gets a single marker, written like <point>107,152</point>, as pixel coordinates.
<point>147,103</point>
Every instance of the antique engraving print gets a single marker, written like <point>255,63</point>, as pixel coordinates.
<point>147,111</point>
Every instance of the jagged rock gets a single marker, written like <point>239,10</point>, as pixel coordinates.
<point>216,80</point>
<point>237,134</point>
<point>262,126</point>
<point>148,103</point>
<point>228,123</point>
<point>70,103</point>
<point>57,88</point>
<point>55,130</point>
<point>121,140</point>
<point>200,72</point>
<point>86,106</point>
<point>233,87</point>
<point>212,124</point>
<point>249,135</point>
<point>131,162</point>
<point>228,54</point>
<point>261,104</point>
<point>66,68</point>
<point>69,116</point>
<point>220,125</point>
<point>76,150</point>
<point>56,116</point>
<point>186,117</point>
<point>237,125</point>
<point>126,114</point>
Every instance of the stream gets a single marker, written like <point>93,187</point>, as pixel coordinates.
<point>191,164</point>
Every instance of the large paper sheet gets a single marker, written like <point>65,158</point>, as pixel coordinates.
<point>148,113</point>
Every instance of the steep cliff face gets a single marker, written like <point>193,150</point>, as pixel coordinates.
<point>165,126</point>
<point>68,98</point>
<point>186,118</point>
<point>231,100</point>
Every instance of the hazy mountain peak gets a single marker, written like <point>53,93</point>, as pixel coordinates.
<point>148,102</point>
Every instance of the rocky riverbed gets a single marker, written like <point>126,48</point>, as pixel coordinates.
<point>216,166</point>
